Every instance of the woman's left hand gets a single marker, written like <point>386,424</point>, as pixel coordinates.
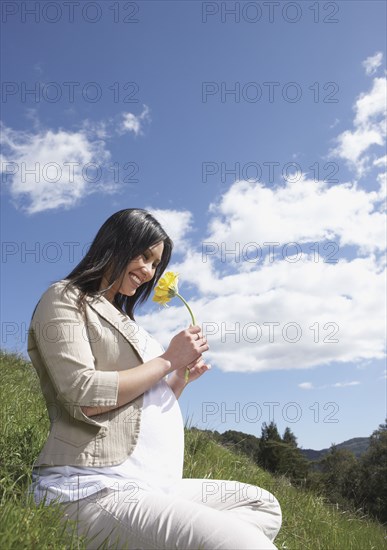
<point>196,369</point>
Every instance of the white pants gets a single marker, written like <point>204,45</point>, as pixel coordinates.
<point>201,514</point>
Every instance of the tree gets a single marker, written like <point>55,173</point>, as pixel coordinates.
<point>282,456</point>
<point>246,443</point>
<point>270,432</point>
<point>373,475</point>
<point>269,447</point>
<point>340,475</point>
<point>289,437</point>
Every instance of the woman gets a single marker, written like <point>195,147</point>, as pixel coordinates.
<point>114,454</point>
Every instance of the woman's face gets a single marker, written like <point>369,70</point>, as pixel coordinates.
<point>138,271</point>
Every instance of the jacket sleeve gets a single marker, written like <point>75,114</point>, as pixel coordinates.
<point>60,335</point>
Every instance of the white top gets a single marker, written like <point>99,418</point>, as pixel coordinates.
<point>155,464</point>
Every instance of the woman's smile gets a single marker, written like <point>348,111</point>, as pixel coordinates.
<point>135,279</point>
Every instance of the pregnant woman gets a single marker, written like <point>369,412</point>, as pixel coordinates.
<point>114,455</point>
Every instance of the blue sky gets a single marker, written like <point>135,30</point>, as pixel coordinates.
<point>238,124</point>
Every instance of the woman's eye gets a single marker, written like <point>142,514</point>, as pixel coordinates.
<point>145,255</point>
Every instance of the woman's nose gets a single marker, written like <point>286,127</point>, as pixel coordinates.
<point>146,271</point>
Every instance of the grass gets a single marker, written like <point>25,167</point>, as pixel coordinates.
<point>308,520</point>
<point>23,429</point>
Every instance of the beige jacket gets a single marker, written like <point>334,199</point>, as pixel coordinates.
<point>77,360</point>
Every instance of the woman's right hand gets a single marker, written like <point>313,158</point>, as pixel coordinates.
<point>185,347</point>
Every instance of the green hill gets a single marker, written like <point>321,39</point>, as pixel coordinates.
<point>357,446</point>
<point>308,521</point>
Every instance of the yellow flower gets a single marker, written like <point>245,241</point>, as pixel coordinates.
<point>166,289</point>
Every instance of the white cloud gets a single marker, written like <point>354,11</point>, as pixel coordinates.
<point>32,115</point>
<point>381,162</point>
<point>176,223</point>
<point>101,129</point>
<point>345,384</point>
<point>371,105</point>
<point>372,63</point>
<point>369,128</point>
<point>285,316</point>
<point>305,211</point>
<point>48,170</point>
<point>310,386</point>
<point>306,386</point>
<point>352,145</point>
<point>276,314</point>
<point>334,123</point>
<point>133,123</point>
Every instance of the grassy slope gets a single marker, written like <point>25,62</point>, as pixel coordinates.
<point>308,521</point>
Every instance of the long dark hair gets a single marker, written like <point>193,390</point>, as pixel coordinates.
<point>123,237</point>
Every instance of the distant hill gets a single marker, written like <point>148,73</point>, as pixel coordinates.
<point>357,445</point>
<point>249,444</point>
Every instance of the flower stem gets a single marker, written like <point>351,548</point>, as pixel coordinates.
<point>189,309</point>
<point>186,374</point>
